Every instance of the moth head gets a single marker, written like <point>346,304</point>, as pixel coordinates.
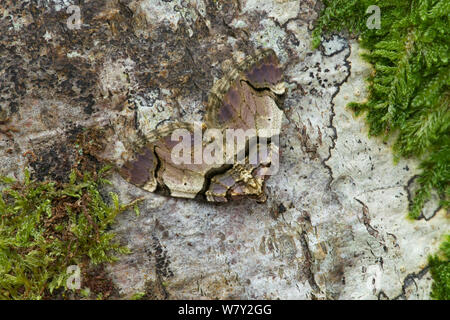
<point>240,182</point>
<point>279,89</point>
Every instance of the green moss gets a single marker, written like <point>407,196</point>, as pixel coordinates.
<point>440,271</point>
<point>46,227</point>
<point>138,296</point>
<point>409,90</point>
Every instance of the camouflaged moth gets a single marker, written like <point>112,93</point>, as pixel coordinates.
<point>244,99</point>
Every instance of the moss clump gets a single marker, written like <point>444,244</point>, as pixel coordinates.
<point>46,227</point>
<point>409,90</point>
<point>440,271</point>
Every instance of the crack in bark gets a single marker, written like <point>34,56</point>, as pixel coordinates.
<point>331,126</point>
<point>308,261</point>
<point>407,188</point>
<point>379,189</point>
<point>366,221</point>
<point>407,282</point>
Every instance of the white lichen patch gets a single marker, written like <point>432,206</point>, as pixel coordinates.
<point>160,11</point>
<point>59,5</point>
<point>116,78</point>
<point>172,12</point>
<point>268,35</point>
<point>280,10</point>
<point>153,111</point>
<point>366,177</point>
<point>333,45</point>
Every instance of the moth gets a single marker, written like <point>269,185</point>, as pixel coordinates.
<point>244,100</point>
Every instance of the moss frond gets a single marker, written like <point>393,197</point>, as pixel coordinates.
<point>409,91</point>
<point>440,271</point>
<point>46,227</point>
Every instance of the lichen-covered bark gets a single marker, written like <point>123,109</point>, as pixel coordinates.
<point>334,224</point>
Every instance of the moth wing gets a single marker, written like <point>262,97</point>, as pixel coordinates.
<point>140,170</point>
<point>266,73</point>
<point>236,183</point>
<point>169,163</point>
<point>244,98</point>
